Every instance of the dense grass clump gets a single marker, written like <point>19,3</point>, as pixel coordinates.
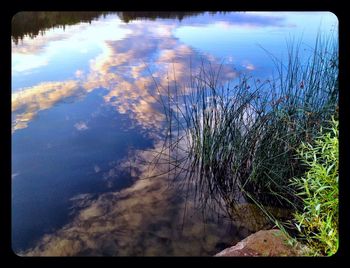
<point>236,141</point>
<point>317,222</point>
<point>307,96</point>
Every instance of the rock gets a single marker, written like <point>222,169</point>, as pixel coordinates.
<point>262,243</point>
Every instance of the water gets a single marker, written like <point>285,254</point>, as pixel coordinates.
<point>86,115</point>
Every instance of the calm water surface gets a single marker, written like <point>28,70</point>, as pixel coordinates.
<point>86,117</point>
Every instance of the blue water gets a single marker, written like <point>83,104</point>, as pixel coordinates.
<point>55,161</point>
<point>88,102</point>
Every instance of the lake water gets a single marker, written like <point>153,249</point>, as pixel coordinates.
<point>86,120</point>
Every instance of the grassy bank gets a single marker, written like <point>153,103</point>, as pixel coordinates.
<point>317,222</point>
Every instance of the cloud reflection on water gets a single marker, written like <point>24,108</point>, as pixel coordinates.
<point>129,69</point>
<point>121,67</point>
<point>139,68</point>
<point>153,217</point>
<point>29,101</point>
<point>81,126</point>
<point>144,219</point>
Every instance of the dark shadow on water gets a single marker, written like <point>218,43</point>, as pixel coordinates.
<point>153,15</point>
<point>35,23</point>
<point>32,24</point>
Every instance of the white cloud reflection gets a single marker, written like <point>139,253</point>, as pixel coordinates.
<point>27,62</point>
<point>144,219</point>
<point>138,61</point>
<point>128,68</point>
<point>153,217</point>
<point>135,58</point>
<point>249,66</point>
<point>81,126</point>
<point>138,68</point>
<point>27,102</point>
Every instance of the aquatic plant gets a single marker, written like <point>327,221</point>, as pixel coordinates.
<point>235,141</point>
<point>317,222</point>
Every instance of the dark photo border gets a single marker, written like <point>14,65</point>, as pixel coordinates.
<point>132,5</point>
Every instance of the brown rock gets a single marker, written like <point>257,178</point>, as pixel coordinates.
<point>263,243</point>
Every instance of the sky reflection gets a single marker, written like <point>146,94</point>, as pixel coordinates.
<point>145,219</point>
<point>137,51</point>
<point>86,113</point>
<point>133,69</point>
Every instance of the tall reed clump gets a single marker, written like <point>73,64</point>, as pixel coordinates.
<point>305,98</point>
<point>317,222</point>
<point>242,136</point>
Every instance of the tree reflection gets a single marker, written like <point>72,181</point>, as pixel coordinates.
<point>34,23</point>
<point>153,15</point>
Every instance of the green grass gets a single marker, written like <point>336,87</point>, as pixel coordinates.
<point>237,141</point>
<point>242,137</point>
<point>318,189</point>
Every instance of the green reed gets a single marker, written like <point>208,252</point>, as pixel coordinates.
<point>237,140</point>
